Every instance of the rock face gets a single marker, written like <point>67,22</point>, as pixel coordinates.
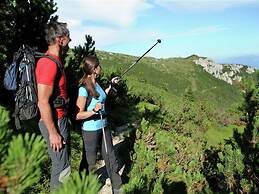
<point>225,72</point>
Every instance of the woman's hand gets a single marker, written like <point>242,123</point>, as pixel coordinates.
<point>97,107</point>
<point>107,90</point>
<point>81,112</point>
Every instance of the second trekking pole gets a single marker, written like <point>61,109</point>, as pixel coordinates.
<point>108,166</point>
<point>115,80</point>
<point>158,41</point>
<point>104,137</point>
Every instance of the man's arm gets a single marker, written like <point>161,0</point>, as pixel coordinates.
<point>44,94</point>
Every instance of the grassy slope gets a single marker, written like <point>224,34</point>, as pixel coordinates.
<point>217,136</point>
<point>167,80</point>
<point>172,78</point>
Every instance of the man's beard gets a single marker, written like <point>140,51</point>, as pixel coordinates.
<point>63,52</point>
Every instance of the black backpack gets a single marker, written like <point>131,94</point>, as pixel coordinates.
<point>21,79</point>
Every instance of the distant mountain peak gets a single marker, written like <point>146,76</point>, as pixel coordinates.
<point>193,57</point>
<point>226,72</point>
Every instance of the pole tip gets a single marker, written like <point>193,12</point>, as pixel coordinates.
<point>159,40</point>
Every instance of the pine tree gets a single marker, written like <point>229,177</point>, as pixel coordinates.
<point>239,159</point>
<point>74,60</point>
<point>232,174</point>
<point>22,22</point>
<point>164,158</point>
<point>5,134</point>
<point>249,140</point>
<point>74,71</point>
<point>80,184</point>
<point>20,158</point>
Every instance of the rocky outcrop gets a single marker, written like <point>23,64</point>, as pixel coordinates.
<point>226,72</point>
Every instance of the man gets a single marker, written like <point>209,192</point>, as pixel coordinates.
<point>51,83</point>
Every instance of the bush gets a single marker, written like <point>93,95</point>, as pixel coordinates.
<point>162,158</point>
<point>20,168</point>
<point>79,184</point>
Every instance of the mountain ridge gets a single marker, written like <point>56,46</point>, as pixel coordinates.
<point>226,72</point>
<point>251,60</point>
<point>173,76</point>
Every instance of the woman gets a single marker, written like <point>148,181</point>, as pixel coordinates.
<point>91,105</point>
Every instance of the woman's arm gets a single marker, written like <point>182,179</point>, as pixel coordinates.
<point>81,113</point>
<point>107,90</point>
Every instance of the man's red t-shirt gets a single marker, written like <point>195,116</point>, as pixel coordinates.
<point>46,71</point>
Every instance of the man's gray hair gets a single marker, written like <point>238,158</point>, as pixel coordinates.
<point>54,30</point>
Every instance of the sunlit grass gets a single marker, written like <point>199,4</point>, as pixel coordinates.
<point>215,136</point>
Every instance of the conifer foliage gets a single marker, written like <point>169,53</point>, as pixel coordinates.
<point>20,158</point>
<point>22,22</point>
<point>74,71</point>
<point>80,184</point>
<point>166,162</point>
<point>237,160</point>
<point>249,140</point>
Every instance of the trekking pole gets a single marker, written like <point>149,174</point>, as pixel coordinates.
<point>104,137</point>
<point>115,80</point>
<point>108,164</point>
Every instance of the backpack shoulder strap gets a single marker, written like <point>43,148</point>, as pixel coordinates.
<point>88,100</point>
<point>89,97</point>
<point>58,63</point>
<point>56,94</point>
<point>43,55</point>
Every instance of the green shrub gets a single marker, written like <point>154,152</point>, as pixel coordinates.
<point>21,165</point>
<point>162,158</point>
<point>5,133</point>
<point>231,166</point>
<point>79,184</point>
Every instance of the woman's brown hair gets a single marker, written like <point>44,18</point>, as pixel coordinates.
<point>89,63</point>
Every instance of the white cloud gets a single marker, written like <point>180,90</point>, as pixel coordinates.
<point>108,36</point>
<point>199,31</point>
<point>121,13</point>
<point>114,12</point>
<point>202,5</point>
<point>107,21</point>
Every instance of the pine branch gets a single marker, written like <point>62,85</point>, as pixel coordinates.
<point>80,184</point>
<point>21,166</point>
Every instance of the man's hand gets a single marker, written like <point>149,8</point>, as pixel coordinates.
<point>56,141</point>
<point>44,94</point>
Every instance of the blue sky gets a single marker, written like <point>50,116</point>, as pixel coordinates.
<point>223,30</point>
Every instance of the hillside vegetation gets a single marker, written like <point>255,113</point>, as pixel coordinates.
<point>171,79</point>
<point>175,111</point>
<point>167,82</point>
<point>193,127</point>
<point>183,129</point>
